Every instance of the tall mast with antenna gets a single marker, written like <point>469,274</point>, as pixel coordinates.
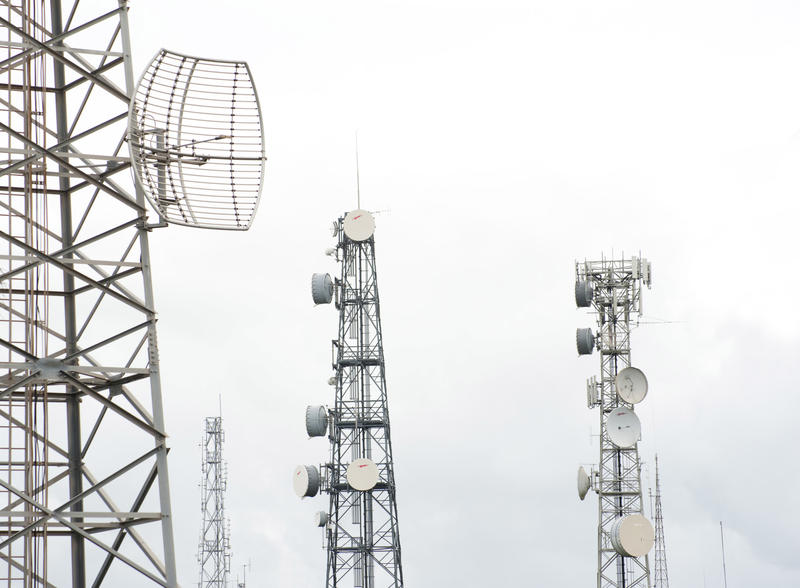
<point>660,576</point>
<point>612,288</point>
<point>213,552</point>
<point>360,525</point>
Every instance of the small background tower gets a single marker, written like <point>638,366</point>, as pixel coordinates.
<point>361,529</point>
<point>214,549</point>
<point>660,577</point>
<point>613,288</point>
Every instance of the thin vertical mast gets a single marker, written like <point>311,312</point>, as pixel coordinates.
<point>722,541</point>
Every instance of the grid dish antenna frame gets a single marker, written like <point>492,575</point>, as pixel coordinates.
<point>197,141</point>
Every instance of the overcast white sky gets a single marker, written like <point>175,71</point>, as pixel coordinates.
<point>505,140</point>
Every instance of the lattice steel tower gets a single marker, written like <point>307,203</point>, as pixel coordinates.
<point>214,550</point>
<point>82,451</point>
<point>613,288</point>
<point>661,578</point>
<point>361,529</point>
<point>83,458</point>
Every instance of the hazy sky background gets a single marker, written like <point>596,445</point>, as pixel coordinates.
<point>501,141</point>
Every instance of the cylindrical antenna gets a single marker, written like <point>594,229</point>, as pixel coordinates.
<point>722,540</point>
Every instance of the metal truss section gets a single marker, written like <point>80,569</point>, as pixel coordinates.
<point>661,578</point>
<point>363,540</point>
<point>214,549</point>
<point>616,300</point>
<point>83,461</point>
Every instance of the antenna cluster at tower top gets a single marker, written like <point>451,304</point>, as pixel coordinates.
<point>612,289</point>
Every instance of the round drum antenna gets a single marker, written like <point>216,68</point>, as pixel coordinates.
<point>358,225</point>
<point>584,338</point>
<point>362,474</point>
<point>583,294</point>
<point>624,428</point>
<point>632,536</point>
<point>631,385</point>
<point>306,481</point>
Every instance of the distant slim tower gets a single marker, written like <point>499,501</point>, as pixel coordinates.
<point>361,529</point>
<point>661,578</point>
<point>613,288</point>
<point>214,550</point>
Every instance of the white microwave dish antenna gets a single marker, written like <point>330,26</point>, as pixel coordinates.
<point>584,339</point>
<point>631,384</point>
<point>362,474</point>
<point>583,483</point>
<point>624,428</point>
<point>358,225</point>
<point>321,288</point>
<point>632,536</point>
<point>197,141</point>
<point>583,294</point>
<point>306,481</point>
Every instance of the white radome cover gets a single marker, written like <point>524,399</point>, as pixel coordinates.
<point>305,481</point>
<point>631,384</point>
<point>632,536</point>
<point>624,428</point>
<point>583,483</point>
<point>362,474</point>
<point>359,225</point>
<point>320,518</point>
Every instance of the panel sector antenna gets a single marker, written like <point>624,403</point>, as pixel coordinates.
<point>197,142</point>
<point>612,288</point>
<point>361,530</point>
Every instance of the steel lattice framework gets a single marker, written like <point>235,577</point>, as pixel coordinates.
<point>83,460</point>
<point>661,579</point>
<point>617,298</point>
<point>363,539</point>
<point>214,549</point>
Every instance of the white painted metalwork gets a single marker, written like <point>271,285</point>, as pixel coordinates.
<point>214,549</point>
<point>83,455</point>
<point>616,286</point>
<point>197,142</point>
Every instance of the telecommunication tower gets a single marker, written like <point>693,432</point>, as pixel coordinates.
<point>360,525</point>
<point>613,289</point>
<point>83,456</point>
<point>214,550</point>
<point>661,579</point>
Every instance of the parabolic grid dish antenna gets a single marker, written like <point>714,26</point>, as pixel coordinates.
<point>197,142</point>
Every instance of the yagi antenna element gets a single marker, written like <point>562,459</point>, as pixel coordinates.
<point>197,142</point>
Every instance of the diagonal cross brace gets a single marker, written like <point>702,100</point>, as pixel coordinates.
<point>70,270</point>
<point>67,165</point>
